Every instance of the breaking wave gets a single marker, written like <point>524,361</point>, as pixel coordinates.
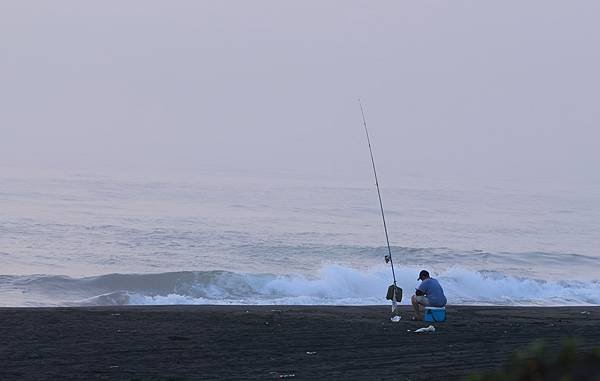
<point>332,285</point>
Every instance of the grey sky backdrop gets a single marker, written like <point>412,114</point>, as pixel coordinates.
<point>452,89</point>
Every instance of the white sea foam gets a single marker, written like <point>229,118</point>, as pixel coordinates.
<point>332,285</point>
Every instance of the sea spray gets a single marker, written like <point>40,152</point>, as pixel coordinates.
<point>330,285</point>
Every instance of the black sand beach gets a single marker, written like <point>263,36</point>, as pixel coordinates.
<point>273,342</point>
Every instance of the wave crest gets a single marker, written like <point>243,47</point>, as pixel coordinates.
<point>332,285</point>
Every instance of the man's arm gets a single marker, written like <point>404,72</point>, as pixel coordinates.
<point>422,289</point>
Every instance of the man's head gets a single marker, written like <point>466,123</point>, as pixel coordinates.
<point>424,274</point>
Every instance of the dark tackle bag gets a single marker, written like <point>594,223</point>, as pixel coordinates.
<point>390,293</point>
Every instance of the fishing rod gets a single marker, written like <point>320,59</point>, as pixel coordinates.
<point>388,258</point>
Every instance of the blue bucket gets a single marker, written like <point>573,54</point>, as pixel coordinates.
<point>434,314</point>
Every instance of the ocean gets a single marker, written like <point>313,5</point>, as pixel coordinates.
<point>85,240</point>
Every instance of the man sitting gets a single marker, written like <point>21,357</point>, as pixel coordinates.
<point>429,293</point>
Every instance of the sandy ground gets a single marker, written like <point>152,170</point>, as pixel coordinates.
<point>274,342</point>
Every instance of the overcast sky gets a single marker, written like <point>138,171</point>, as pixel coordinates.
<point>459,89</point>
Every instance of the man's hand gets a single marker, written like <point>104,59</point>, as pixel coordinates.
<point>419,292</point>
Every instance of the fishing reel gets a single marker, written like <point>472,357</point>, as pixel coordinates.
<point>387,259</point>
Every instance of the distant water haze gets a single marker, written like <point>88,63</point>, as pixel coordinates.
<point>456,90</point>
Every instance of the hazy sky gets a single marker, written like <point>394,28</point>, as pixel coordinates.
<point>460,89</point>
